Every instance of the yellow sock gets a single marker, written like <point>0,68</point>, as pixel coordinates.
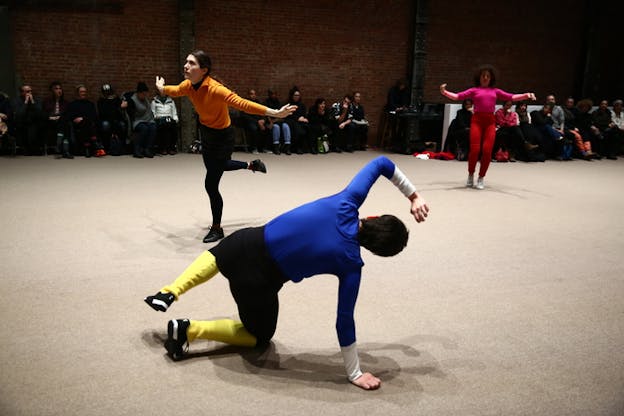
<point>200,271</point>
<point>223,330</point>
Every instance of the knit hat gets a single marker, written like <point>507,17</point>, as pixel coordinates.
<point>142,87</point>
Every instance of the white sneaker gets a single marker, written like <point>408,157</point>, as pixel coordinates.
<point>470,181</point>
<point>480,184</point>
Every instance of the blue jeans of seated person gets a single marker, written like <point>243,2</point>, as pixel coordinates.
<point>285,133</point>
<point>144,143</point>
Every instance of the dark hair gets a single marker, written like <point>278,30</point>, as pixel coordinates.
<point>54,84</point>
<point>292,92</point>
<point>203,60</point>
<point>384,236</point>
<point>141,87</point>
<point>480,70</point>
<point>466,101</point>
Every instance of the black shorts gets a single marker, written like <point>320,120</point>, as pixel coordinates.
<point>217,143</point>
<point>254,278</point>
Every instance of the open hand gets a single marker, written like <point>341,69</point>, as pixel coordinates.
<point>419,209</point>
<point>285,111</point>
<point>160,83</point>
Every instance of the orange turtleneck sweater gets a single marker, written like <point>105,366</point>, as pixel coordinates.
<point>211,101</point>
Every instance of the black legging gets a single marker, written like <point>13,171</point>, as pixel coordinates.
<point>217,146</point>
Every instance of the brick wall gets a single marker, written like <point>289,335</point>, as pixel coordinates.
<point>95,47</point>
<point>327,48</point>
<point>523,40</point>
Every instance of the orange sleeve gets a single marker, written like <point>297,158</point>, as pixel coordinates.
<point>177,90</point>
<point>234,100</point>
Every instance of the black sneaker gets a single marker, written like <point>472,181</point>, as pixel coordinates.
<point>177,342</point>
<point>213,235</point>
<point>257,166</point>
<point>160,301</point>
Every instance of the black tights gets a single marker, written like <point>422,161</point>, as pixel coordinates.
<point>214,172</point>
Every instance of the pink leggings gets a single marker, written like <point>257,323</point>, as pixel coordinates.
<point>482,134</point>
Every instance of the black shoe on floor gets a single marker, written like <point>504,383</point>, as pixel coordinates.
<point>160,301</point>
<point>213,235</point>
<point>177,341</point>
<point>257,166</point>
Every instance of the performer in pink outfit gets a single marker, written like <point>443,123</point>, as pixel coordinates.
<point>482,125</point>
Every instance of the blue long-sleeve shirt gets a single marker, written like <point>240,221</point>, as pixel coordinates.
<point>321,237</point>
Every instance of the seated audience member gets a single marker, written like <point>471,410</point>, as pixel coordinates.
<point>601,119</point>
<point>509,136</point>
<point>28,121</point>
<point>589,132</point>
<point>7,141</point>
<point>82,117</point>
<point>342,128</point>
<point>359,122</point>
<point>143,123</point>
<point>458,136</point>
<point>549,137</point>
<point>571,131</point>
<point>618,128</point>
<point>398,97</point>
<point>54,107</point>
<point>298,122</point>
<point>255,126</point>
<point>557,116</point>
<point>563,147</point>
<point>278,127</point>
<point>320,123</point>
<point>112,125</point>
<point>166,117</point>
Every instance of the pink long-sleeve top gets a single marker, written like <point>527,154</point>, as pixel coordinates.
<point>484,98</point>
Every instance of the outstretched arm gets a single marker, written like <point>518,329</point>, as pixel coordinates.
<point>283,112</point>
<point>447,94</point>
<point>523,97</point>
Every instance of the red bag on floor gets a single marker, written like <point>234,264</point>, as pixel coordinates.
<point>501,155</point>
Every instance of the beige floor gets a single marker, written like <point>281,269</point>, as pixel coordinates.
<point>507,301</point>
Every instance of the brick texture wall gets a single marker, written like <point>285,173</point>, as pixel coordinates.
<point>524,41</point>
<point>326,48</point>
<point>94,47</point>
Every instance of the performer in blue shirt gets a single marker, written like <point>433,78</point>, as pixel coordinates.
<point>321,237</point>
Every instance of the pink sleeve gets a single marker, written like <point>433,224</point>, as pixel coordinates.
<point>465,94</point>
<point>503,95</point>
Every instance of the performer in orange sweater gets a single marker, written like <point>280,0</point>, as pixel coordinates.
<point>211,100</point>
